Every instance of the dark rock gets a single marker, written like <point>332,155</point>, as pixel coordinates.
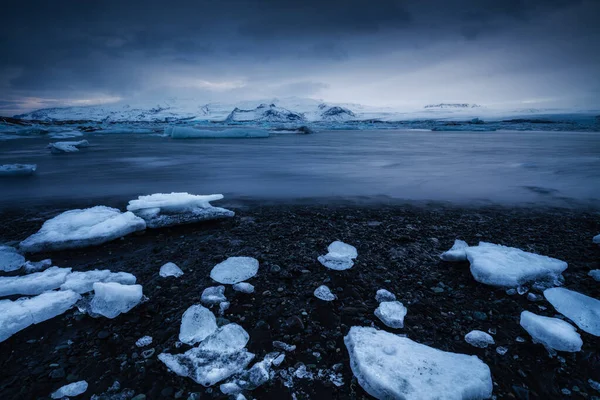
<point>481,316</point>
<point>58,373</point>
<point>520,392</point>
<point>294,324</point>
<point>103,334</point>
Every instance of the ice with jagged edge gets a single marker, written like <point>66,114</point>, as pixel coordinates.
<point>583,310</point>
<point>235,270</point>
<point>71,390</point>
<point>243,287</point>
<point>479,339</point>
<point>595,273</point>
<point>388,366</point>
<point>37,266</point>
<point>144,341</point>
<point>384,295</point>
<point>112,299</point>
<point>216,358</point>
<point>19,314</point>
<point>32,284</point>
<point>81,228</point>
<point>252,378</point>
<point>553,333</point>
<point>187,132</point>
<point>17,169</point>
<point>213,295</point>
<point>391,313</point>
<point>456,253</point>
<point>197,324</point>
<point>324,293</point>
<point>67,147</point>
<point>168,209</point>
<point>10,259</point>
<point>339,256</point>
<point>170,269</point>
<point>503,266</point>
<point>83,282</point>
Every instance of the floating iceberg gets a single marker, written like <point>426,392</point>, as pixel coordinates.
<point>17,169</point>
<point>579,308</point>
<point>553,333</point>
<point>391,313</point>
<point>186,132</point>
<point>388,366</point>
<point>384,295</point>
<point>213,295</point>
<point>18,315</point>
<point>83,282</point>
<point>218,357</point>
<point>339,256</point>
<point>10,259</point>
<point>323,293</point>
<point>71,390</point>
<point>503,266</point>
<point>112,299</point>
<point>456,253</point>
<point>167,209</point>
<point>234,270</point>
<point>67,147</point>
<point>81,228</point>
<point>243,287</point>
<point>196,324</point>
<point>36,283</point>
<point>479,339</point>
<point>170,269</point>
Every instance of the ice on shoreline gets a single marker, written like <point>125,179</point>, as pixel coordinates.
<point>83,282</point>
<point>81,228</point>
<point>170,269</point>
<point>71,390</point>
<point>583,310</point>
<point>235,270</point>
<point>384,295</point>
<point>197,323</point>
<point>112,299</point>
<point>213,295</point>
<point>340,256</point>
<point>456,253</point>
<point>17,169</point>
<point>35,283</point>
<point>479,339</point>
<point>553,333</point>
<point>323,293</point>
<point>391,313</point>
<point>10,259</point>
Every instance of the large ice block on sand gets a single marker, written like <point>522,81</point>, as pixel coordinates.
<point>553,333</point>
<point>234,270</point>
<point>456,253</point>
<point>339,256</point>
<point>83,282</point>
<point>391,313</point>
<point>112,299</point>
<point>19,314</point>
<point>503,266</point>
<point>579,308</point>
<point>36,283</point>
<point>388,366</point>
<point>196,324</point>
<point>81,228</point>
<point>71,390</point>
<point>186,132</point>
<point>17,169</point>
<point>10,259</point>
<point>168,209</point>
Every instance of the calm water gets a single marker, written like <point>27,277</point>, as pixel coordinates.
<point>546,168</point>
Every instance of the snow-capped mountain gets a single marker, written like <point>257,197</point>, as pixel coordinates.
<point>264,113</point>
<point>451,106</point>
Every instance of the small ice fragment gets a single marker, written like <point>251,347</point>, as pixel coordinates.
<point>501,350</point>
<point>323,293</point>
<point>243,287</point>
<point>67,147</point>
<point>223,306</point>
<point>339,256</point>
<point>595,274</point>
<point>596,239</point>
<point>83,282</point>
<point>36,283</point>
<point>277,361</point>
<point>553,333</point>
<point>303,373</point>
<point>521,290</point>
<point>457,252</point>
<point>384,295</point>
<point>234,270</point>
<point>479,339</point>
<point>112,299</point>
<point>36,266</point>
<point>197,324</point>
<point>583,310</point>
<point>284,346</point>
<point>511,292</point>
<point>70,390</point>
<point>520,339</point>
<point>10,259</point>
<point>144,341</point>
<point>170,269</point>
<point>213,295</point>
<point>533,297</point>
<point>391,313</point>
<point>230,388</point>
<point>595,385</point>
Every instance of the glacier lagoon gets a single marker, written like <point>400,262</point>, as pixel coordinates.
<point>502,167</point>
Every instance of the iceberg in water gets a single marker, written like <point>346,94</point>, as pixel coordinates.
<point>186,132</point>
<point>81,228</point>
<point>498,265</point>
<point>553,333</point>
<point>388,366</point>
<point>67,147</point>
<point>339,256</point>
<point>17,169</point>
<point>167,209</point>
<point>10,259</point>
<point>579,308</point>
<point>18,315</point>
<point>36,283</point>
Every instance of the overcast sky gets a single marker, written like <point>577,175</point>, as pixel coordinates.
<point>505,53</point>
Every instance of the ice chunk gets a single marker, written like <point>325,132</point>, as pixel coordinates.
<point>36,283</point>
<point>218,357</point>
<point>67,147</point>
<point>10,259</point>
<point>595,274</point>
<point>111,299</point>
<point>17,169</point>
<point>230,388</point>
<point>391,313</point>
<point>284,346</point>
<point>213,295</point>
<point>243,287</point>
<point>503,266</point>
<point>596,239</point>
<point>19,314</point>
<point>223,306</point>
<point>70,390</point>
<point>384,295</point>
<point>168,209</point>
<point>170,269</point>
<point>278,360</point>
<point>579,308</point>
<point>36,266</point>
<point>80,228</point>
<point>339,256</point>
<point>553,333</point>
<point>196,324</point>
<point>186,132</point>
<point>323,293</point>
<point>234,270</point>
<point>457,252</point>
<point>83,282</point>
<point>479,339</point>
<point>144,341</point>
<point>388,366</point>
